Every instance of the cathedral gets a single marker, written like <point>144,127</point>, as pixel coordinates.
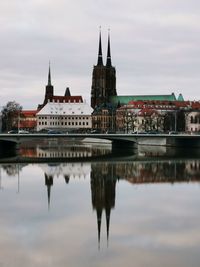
<point>103,78</point>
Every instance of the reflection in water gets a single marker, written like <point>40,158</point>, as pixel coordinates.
<point>103,182</point>
<point>103,177</point>
<point>149,224</point>
<point>64,150</point>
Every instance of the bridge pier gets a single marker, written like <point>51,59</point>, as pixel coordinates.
<point>126,145</point>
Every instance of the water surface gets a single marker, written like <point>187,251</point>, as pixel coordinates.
<point>113,211</point>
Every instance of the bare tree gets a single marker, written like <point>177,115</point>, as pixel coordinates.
<point>130,119</point>
<point>10,115</point>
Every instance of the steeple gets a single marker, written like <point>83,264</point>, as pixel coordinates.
<point>49,75</point>
<point>100,58</point>
<point>108,61</point>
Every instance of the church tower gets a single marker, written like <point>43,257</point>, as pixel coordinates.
<point>103,78</point>
<point>49,88</point>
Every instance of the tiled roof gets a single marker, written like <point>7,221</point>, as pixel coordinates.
<point>124,99</point>
<point>72,99</point>
<point>147,112</point>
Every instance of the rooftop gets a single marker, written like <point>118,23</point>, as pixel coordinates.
<point>54,108</point>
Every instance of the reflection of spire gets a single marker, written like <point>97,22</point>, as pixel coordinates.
<point>48,183</point>
<point>66,179</point>
<point>99,214</point>
<point>18,183</point>
<point>108,210</point>
<point>103,183</point>
<point>0,180</point>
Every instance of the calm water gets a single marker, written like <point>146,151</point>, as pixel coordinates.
<point>91,208</point>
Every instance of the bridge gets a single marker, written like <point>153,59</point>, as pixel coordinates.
<point>118,140</point>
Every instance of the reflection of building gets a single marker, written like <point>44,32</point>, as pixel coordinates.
<point>71,170</point>
<point>0,121</point>
<point>66,170</point>
<point>103,193</point>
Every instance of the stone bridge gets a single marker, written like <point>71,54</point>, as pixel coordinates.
<point>118,140</point>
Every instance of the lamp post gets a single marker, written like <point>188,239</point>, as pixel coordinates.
<point>18,121</point>
<point>175,123</point>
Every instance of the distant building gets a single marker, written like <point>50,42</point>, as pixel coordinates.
<point>106,102</point>
<point>103,118</point>
<point>125,99</point>
<point>103,78</point>
<point>151,115</point>
<point>65,116</point>
<point>50,97</point>
<point>28,120</point>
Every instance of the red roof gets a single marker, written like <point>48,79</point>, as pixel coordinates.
<point>72,99</point>
<point>147,111</point>
<point>28,113</point>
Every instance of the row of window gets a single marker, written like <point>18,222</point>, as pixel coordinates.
<point>62,118</point>
<point>64,123</point>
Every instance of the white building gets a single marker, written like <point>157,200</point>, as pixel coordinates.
<point>193,121</point>
<point>64,116</point>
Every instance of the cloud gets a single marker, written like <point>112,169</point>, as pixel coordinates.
<point>154,46</point>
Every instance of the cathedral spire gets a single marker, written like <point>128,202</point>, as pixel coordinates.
<point>108,61</point>
<point>100,58</point>
<point>49,75</point>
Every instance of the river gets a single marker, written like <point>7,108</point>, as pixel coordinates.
<point>85,205</point>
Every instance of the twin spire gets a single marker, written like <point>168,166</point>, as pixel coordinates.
<point>100,57</point>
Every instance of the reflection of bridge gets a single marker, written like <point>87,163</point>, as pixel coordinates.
<point>104,177</point>
<point>117,139</point>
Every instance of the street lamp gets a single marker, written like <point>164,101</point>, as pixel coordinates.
<point>18,121</point>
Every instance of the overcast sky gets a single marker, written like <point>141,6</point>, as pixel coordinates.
<point>155,47</point>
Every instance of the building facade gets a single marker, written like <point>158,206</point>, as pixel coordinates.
<point>65,116</point>
<point>155,115</point>
<point>193,121</point>
<point>28,120</point>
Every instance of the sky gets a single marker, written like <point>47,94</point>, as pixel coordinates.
<point>155,47</point>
